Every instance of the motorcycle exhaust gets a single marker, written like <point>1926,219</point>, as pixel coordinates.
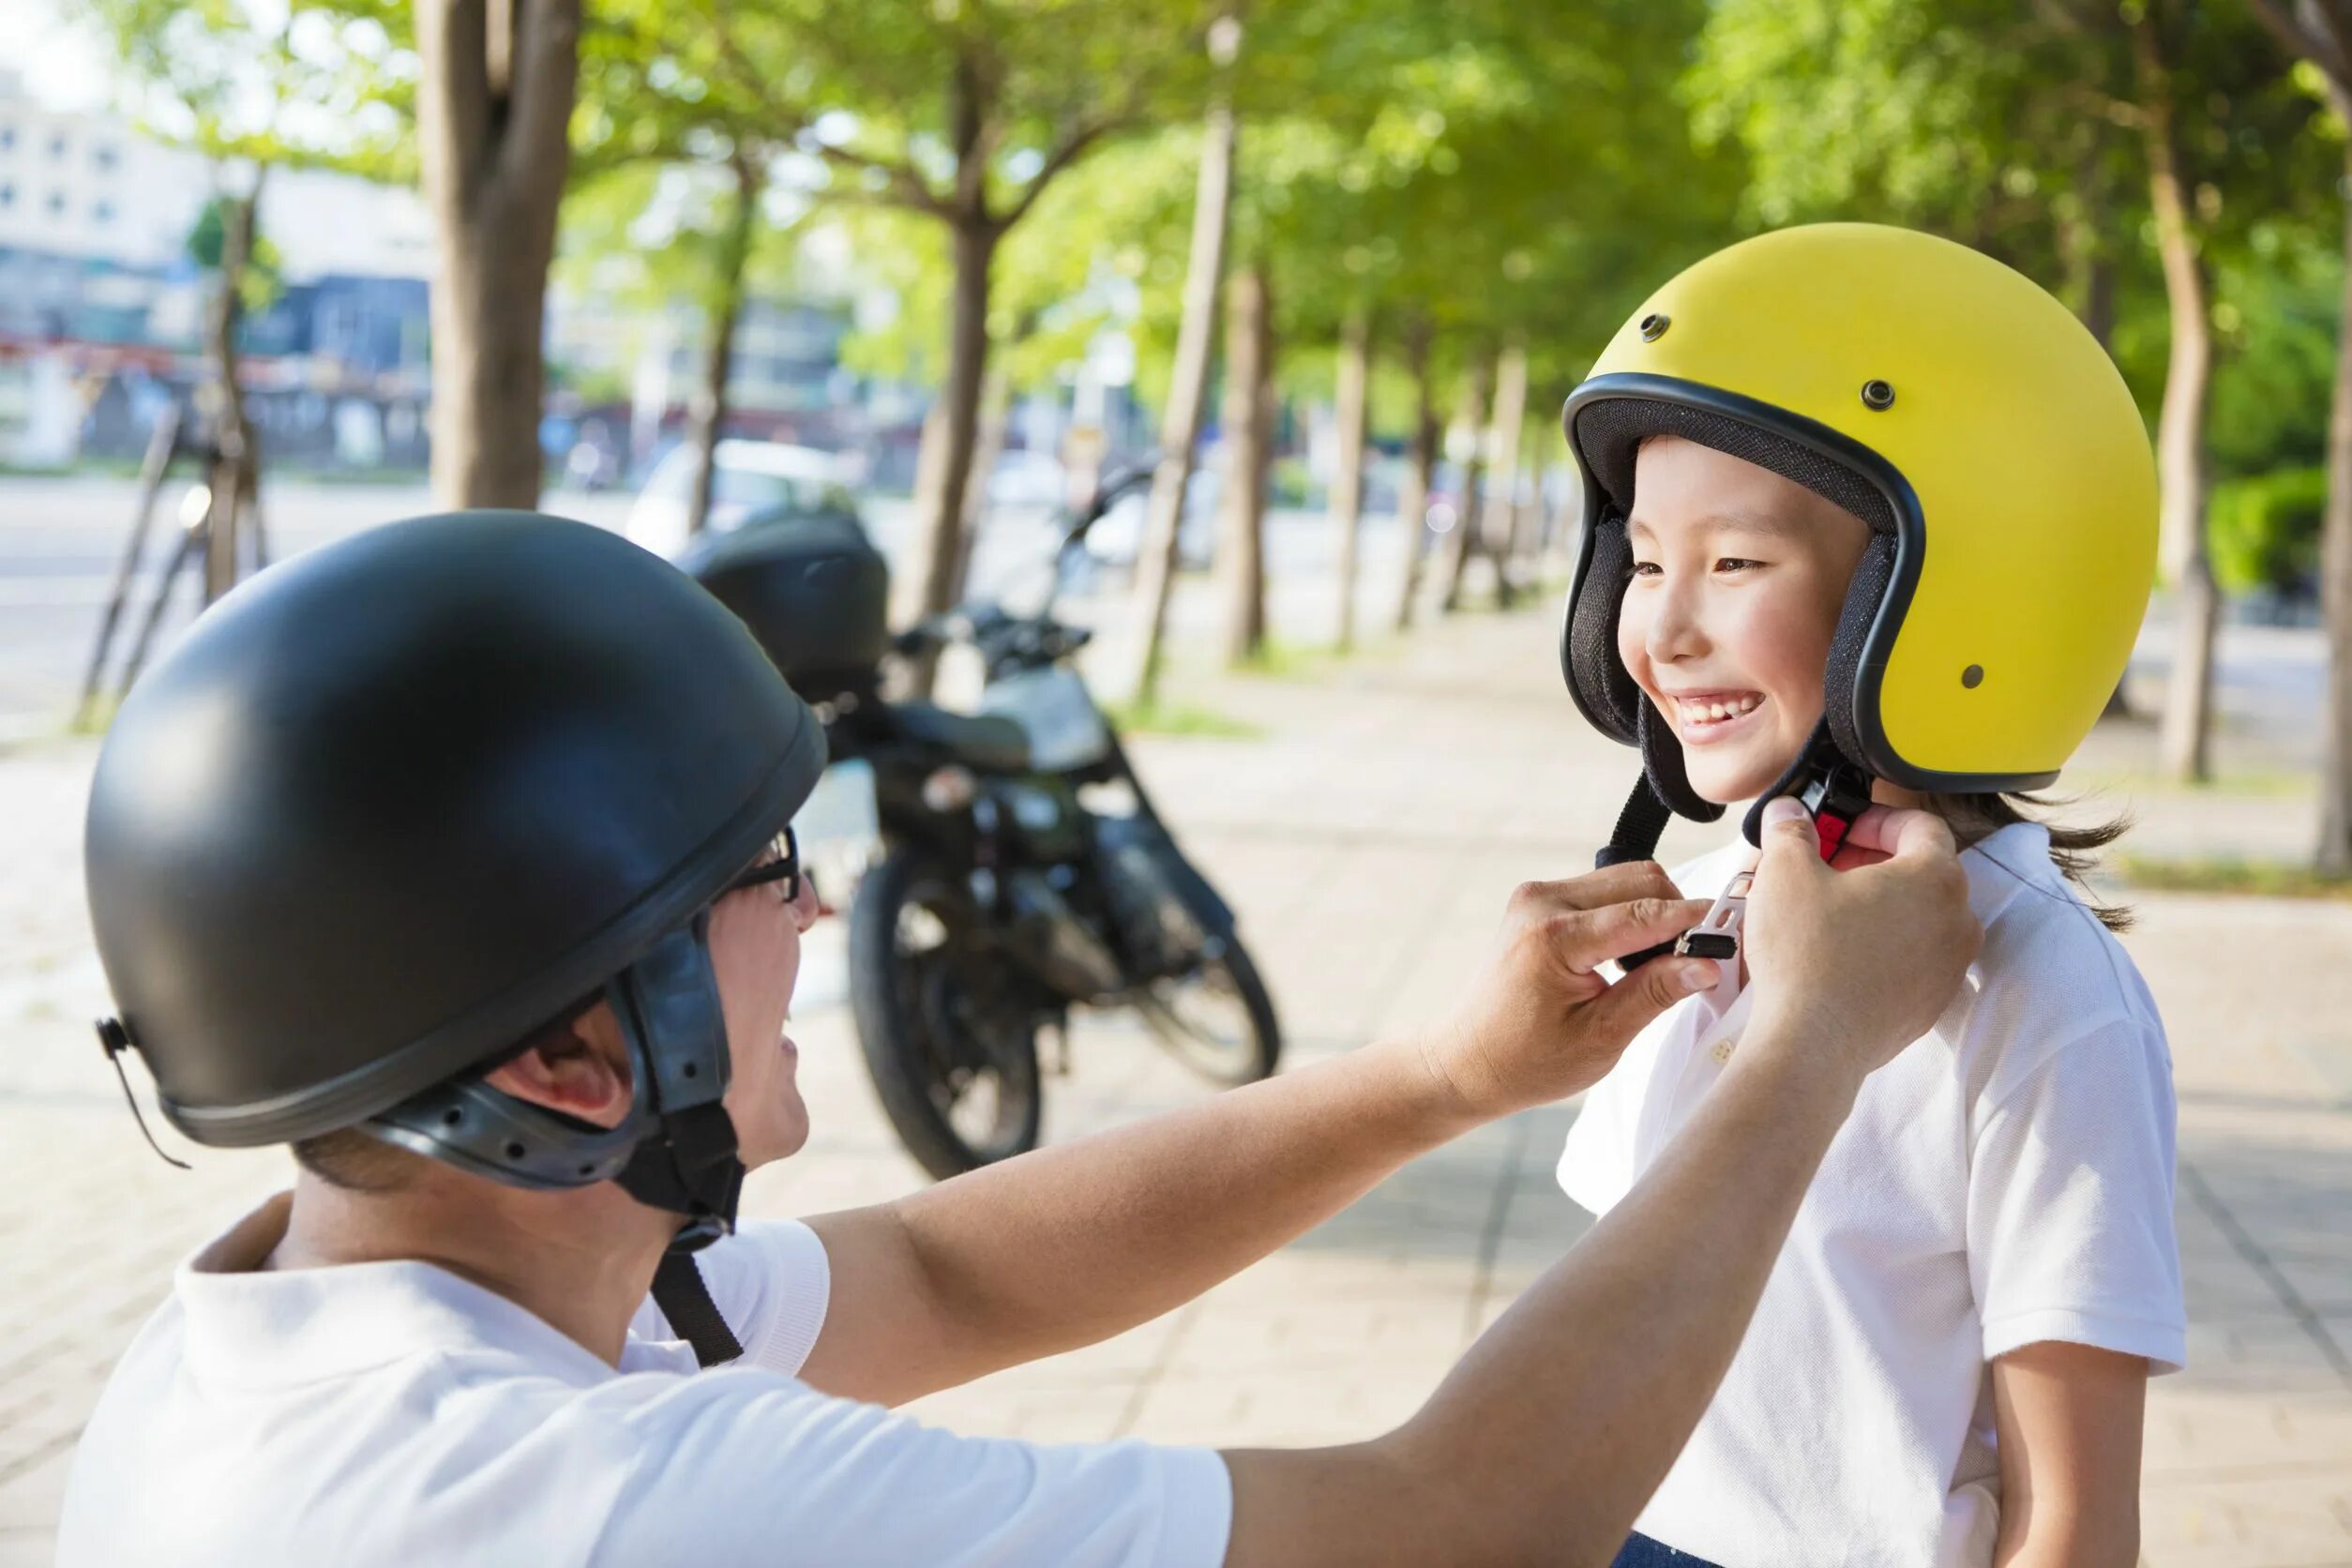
<point>1055,942</point>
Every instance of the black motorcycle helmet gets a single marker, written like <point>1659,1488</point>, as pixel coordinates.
<point>397,803</point>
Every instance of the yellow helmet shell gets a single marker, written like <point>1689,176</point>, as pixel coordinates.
<point>2013,462</point>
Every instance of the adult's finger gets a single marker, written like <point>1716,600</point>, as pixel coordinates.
<point>1850,855</point>
<point>1611,884</point>
<point>1788,832</point>
<point>1912,834</point>
<point>1586,939</point>
<point>1622,1011</point>
<point>1881,827</point>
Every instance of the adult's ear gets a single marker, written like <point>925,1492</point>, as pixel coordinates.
<point>580,1068</point>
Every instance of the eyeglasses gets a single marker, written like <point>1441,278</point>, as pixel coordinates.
<point>779,862</point>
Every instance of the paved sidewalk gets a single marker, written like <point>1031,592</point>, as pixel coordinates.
<point>1369,839</point>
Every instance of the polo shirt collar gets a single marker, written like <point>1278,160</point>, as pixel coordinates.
<point>261,1329</point>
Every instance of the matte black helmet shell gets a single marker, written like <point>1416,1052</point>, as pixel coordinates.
<point>395,803</point>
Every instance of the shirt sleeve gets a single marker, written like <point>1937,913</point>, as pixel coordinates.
<point>2071,1202</point>
<point>746,1468</point>
<point>1596,1165</point>
<point>772,1282</point>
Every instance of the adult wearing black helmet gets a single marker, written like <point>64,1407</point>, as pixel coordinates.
<point>458,855</point>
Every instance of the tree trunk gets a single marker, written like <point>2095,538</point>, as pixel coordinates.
<point>1468,515</point>
<point>229,481</point>
<point>928,585</point>
<point>1180,423</point>
<point>2085,242</point>
<point>1346,489</point>
<point>493,107</point>
<point>1522,550</point>
<point>1412,497</point>
<point>1550,537</point>
<point>996,412</point>
<point>2335,857</point>
<point>2181,433</point>
<point>1499,519</point>
<point>718,356</point>
<point>1241,550</point>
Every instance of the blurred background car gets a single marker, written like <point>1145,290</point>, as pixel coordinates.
<point>752,478</point>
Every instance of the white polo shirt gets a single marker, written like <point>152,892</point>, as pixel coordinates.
<point>394,1413</point>
<point>2008,1179</point>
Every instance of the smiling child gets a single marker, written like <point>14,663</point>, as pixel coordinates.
<point>1863,499</point>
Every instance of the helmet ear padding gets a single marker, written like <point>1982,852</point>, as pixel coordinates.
<point>1601,682</point>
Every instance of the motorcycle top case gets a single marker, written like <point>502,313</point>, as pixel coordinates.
<point>813,590</point>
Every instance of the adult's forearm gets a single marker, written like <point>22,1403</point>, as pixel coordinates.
<point>1546,1438</point>
<point>1071,1244</point>
<point>1586,1390</point>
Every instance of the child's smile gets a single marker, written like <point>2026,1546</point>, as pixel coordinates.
<point>1706,717</point>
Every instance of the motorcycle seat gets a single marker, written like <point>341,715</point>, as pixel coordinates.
<point>986,740</point>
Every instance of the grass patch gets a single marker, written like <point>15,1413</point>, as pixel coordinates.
<point>88,468</point>
<point>1280,660</point>
<point>1162,717</point>
<point>2263,879</point>
<point>1290,661</point>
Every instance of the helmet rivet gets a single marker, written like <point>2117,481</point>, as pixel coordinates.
<point>1653,327</point>
<point>1973,676</point>
<point>1877,394</point>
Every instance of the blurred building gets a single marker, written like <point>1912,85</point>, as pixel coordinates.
<point>101,307</point>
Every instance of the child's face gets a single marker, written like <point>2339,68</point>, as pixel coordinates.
<point>1739,576</point>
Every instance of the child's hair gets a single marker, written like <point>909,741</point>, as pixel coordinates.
<point>1974,817</point>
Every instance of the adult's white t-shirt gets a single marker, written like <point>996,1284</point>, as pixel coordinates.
<point>2007,1179</point>
<point>395,1413</point>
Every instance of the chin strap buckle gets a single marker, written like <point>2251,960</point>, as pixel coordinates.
<point>1833,793</point>
<point>1717,934</point>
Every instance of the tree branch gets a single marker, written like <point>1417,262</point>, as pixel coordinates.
<point>1061,157</point>
<point>790,123</point>
<point>2337,63</point>
<point>908,188</point>
<point>2301,43</point>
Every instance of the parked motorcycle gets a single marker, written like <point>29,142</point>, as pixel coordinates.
<point>1025,873</point>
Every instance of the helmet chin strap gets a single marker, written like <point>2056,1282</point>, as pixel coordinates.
<point>668,1007</point>
<point>1831,787</point>
<point>674,1150</point>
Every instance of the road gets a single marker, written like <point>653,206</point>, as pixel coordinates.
<point>61,541</point>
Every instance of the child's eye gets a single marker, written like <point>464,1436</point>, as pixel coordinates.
<point>1736,564</point>
<point>1645,568</point>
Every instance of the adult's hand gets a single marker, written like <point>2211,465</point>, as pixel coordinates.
<point>1542,1022</point>
<point>1862,959</point>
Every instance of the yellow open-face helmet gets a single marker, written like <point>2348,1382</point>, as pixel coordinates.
<point>1959,410</point>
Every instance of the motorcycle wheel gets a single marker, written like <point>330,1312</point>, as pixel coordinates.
<point>953,1060</point>
<point>1217,1021</point>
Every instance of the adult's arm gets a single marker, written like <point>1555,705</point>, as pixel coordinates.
<point>1544,1443</point>
<point>1071,1244</point>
